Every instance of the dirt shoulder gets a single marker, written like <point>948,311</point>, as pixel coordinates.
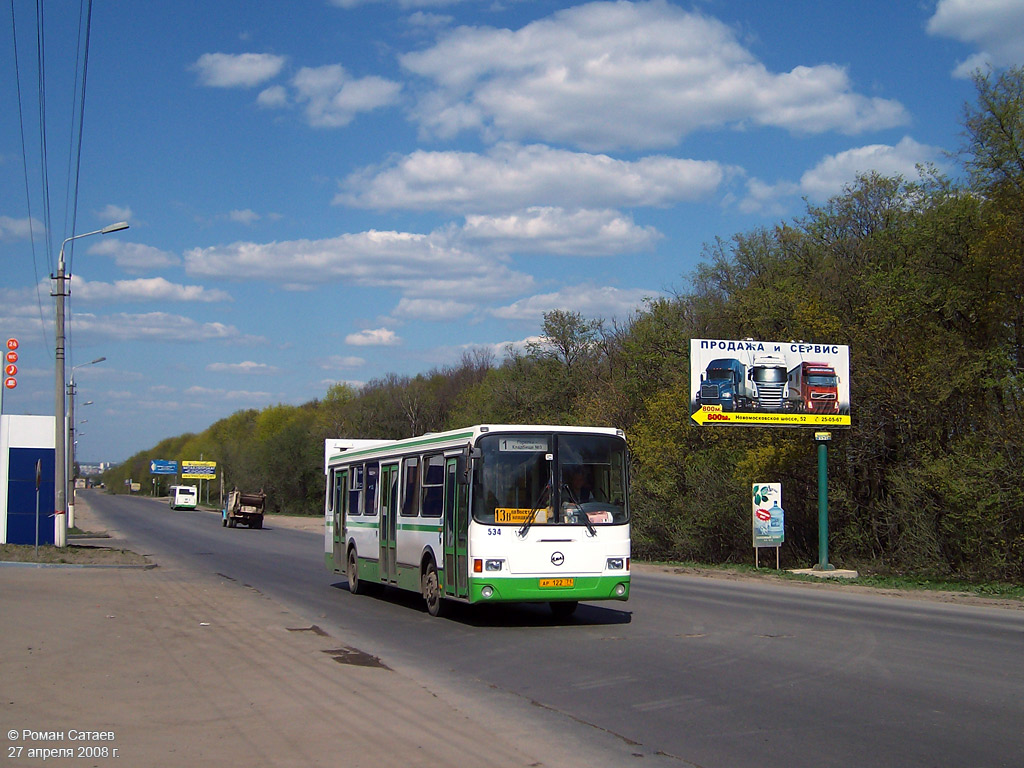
<point>169,666</point>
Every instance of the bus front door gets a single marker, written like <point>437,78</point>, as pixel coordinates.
<point>388,514</point>
<point>456,533</point>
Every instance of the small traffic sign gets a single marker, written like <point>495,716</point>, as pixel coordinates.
<point>11,369</point>
<point>12,344</point>
<point>10,382</point>
<point>11,357</point>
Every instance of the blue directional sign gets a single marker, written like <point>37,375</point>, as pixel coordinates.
<point>163,467</point>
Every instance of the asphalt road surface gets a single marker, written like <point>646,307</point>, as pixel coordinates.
<point>690,671</point>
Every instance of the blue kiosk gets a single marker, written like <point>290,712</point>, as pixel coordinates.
<point>26,442</point>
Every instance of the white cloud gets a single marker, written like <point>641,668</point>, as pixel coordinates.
<point>246,368</point>
<point>156,326</point>
<point>18,229</point>
<point>333,98</point>
<point>431,309</point>
<point>511,177</point>
<point>555,79</point>
<point>114,213</point>
<point>341,362</point>
<point>994,26</point>
<point>554,230</point>
<point>376,337</point>
<point>143,289</point>
<point>414,264</point>
<point>274,97</point>
<point>588,300</point>
<point>349,4</point>
<point>134,257</point>
<point>834,172</point>
<point>207,393</point>
<point>241,70</point>
<point>246,216</point>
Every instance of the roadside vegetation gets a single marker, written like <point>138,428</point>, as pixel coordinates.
<point>923,279</point>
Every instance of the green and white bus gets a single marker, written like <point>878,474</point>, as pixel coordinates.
<point>490,513</point>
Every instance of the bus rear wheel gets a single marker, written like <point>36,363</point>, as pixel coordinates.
<point>355,586</point>
<point>432,591</point>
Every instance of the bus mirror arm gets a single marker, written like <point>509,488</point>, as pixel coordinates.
<point>466,462</point>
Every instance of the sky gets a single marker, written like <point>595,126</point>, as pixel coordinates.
<point>325,191</point>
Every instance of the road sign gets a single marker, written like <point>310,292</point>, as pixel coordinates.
<point>163,467</point>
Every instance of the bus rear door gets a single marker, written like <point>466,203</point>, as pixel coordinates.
<point>388,513</point>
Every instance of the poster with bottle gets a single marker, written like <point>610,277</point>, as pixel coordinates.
<point>769,528</point>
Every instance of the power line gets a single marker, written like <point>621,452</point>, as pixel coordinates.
<point>24,166</point>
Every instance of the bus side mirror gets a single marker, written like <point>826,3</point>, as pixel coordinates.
<point>465,463</point>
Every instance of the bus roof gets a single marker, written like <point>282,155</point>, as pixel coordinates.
<point>337,450</point>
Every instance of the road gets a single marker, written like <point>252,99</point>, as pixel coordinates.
<point>691,671</point>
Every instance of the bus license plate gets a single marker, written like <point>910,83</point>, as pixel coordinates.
<point>557,582</point>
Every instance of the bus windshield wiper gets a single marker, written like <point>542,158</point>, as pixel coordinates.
<point>574,500</point>
<point>533,511</point>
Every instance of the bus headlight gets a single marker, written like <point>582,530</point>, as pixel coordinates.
<point>493,565</point>
<point>616,563</point>
<point>486,592</point>
<point>620,590</point>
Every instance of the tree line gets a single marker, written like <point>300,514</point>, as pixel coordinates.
<point>923,279</point>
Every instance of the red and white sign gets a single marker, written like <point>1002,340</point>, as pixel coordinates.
<point>12,344</point>
<point>11,357</point>
<point>10,382</point>
<point>11,369</point>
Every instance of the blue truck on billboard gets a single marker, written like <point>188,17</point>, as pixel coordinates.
<point>769,383</point>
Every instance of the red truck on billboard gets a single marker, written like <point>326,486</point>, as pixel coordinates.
<point>814,388</point>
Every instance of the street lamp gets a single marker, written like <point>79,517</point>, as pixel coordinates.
<point>60,523</point>
<point>71,439</point>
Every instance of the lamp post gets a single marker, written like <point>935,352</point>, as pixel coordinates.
<point>71,439</point>
<point>60,522</point>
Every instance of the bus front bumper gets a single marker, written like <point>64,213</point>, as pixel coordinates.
<point>549,589</point>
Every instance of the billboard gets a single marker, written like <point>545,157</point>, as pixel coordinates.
<point>769,383</point>
<point>163,467</point>
<point>198,470</point>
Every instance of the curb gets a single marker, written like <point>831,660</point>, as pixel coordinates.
<point>17,564</point>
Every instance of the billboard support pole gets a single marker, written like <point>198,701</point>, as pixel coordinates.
<point>822,438</point>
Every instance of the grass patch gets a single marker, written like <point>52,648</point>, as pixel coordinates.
<point>993,589</point>
<point>70,555</point>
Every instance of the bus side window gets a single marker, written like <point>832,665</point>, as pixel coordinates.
<point>433,485</point>
<point>355,492</point>
<point>370,488</point>
<point>411,492</point>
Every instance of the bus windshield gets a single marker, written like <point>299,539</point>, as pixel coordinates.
<point>546,479</point>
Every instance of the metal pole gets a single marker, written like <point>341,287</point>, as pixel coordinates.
<point>823,563</point>
<point>39,476</point>
<point>60,523</point>
<point>71,451</point>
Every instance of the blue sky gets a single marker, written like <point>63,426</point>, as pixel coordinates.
<point>325,191</point>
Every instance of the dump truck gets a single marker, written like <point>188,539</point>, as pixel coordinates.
<point>245,508</point>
